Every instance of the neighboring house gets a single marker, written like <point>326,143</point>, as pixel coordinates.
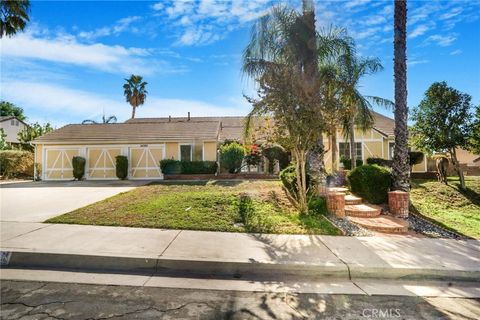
<point>11,127</point>
<point>378,142</point>
<point>144,141</point>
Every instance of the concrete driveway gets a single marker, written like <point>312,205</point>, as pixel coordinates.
<point>38,201</point>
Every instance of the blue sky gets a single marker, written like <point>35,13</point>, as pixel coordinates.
<point>70,62</point>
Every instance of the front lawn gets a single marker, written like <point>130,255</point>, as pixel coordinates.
<point>454,209</point>
<point>235,206</point>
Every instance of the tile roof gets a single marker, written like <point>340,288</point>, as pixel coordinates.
<point>383,124</point>
<point>133,132</point>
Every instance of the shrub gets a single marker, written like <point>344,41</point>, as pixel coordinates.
<point>15,164</point>
<point>231,156</point>
<point>288,176</point>
<point>347,162</point>
<point>121,168</point>
<point>415,157</point>
<point>380,161</point>
<point>317,205</point>
<point>253,217</point>
<point>198,167</point>
<point>371,182</point>
<point>78,164</point>
<point>170,166</point>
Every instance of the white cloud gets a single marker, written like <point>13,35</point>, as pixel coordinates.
<point>419,30</point>
<point>355,3</point>
<point>413,62</point>
<point>452,13</point>
<point>456,52</point>
<point>442,41</point>
<point>115,59</point>
<point>118,27</point>
<point>60,105</point>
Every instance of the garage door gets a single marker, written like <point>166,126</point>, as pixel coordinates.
<point>101,162</point>
<point>145,162</point>
<point>58,163</point>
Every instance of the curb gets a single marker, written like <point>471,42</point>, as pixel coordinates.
<point>217,268</point>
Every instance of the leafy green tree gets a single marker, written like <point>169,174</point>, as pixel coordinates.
<point>442,122</point>
<point>231,156</point>
<point>13,16</point>
<point>3,144</point>
<point>135,92</point>
<point>27,135</point>
<point>9,109</point>
<point>474,143</point>
<point>400,165</point>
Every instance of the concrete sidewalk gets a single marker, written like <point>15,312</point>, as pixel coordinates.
<point>137,250</point>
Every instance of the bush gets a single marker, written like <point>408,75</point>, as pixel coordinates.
<point>231,156</point>
<point>415,157</point>
<point>253,217</point>
<point>16,164</point>
<point>78,164</point>
<point>371,182</point>
<point>380,161</point>
<point>121,168</point>
<point>288,176</point>
<point>170,166</point>
<point>347,162</point>
<point>198,167</point>
<point>318,205</point>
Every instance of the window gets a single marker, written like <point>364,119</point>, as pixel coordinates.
<point>344,149</point>
<point>391,148</point>
<point>17,123</point>
<point>12,122</point>
<point>186,152</point>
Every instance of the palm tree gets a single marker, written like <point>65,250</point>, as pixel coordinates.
<point>400,165</point>
<point>13,16</point>
<point>111,119</point>
<point>358,107</point>
<point>134,91</point>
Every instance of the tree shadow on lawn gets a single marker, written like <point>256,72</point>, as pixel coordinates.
<point>468,193</point>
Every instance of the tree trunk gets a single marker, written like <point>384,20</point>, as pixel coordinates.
<point>133,112</point>
<point>334,150</point>
<point>353,150</point>
<point>459,170</point>
<point>400,166</point>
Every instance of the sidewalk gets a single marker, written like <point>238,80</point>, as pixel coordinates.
<point>137,250</point>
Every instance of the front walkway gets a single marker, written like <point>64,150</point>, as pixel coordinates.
<point>218,252</point>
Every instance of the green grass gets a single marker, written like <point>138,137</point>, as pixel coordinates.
<point>213,206</point>
<point>449,206</point>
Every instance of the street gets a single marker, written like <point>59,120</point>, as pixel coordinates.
<point>43,300</point>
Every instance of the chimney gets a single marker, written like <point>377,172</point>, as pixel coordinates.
<point>188,119</point>
<point>169,118</point>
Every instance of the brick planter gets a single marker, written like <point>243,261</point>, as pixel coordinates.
<point>398,203</point>
<point>336,204</point>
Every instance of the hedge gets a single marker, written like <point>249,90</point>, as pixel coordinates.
<point>347,162</point>
<point>16,164</point>
<point>380,161</point>
<point>371,182</point>
<point>170,166</point>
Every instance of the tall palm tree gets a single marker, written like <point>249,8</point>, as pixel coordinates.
<point>13,16</point>
<point>105,120</point>
<point>135,92</point>
<point>358,107</point>
<point>400,165</point>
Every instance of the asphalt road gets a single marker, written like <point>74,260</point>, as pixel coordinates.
<point>40,300</point>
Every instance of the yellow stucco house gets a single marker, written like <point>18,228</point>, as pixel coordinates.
<point>145,141</point>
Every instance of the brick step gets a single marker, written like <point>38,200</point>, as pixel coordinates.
<point>362,210</point>
<point>351,199</point>
<point>384,224</point>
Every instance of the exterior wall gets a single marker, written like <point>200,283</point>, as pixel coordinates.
<point>468,158</point>
<point>12,130</point>
<point>210,151</point>
<point>55,160</point>
<point>171,150</point>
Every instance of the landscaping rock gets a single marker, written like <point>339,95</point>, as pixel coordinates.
<point>429,229</point>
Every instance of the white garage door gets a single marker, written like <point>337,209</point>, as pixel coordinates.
<point>145,162</point>
<point>58,163</point>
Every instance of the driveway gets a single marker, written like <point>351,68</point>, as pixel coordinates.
<point>39,201</point>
